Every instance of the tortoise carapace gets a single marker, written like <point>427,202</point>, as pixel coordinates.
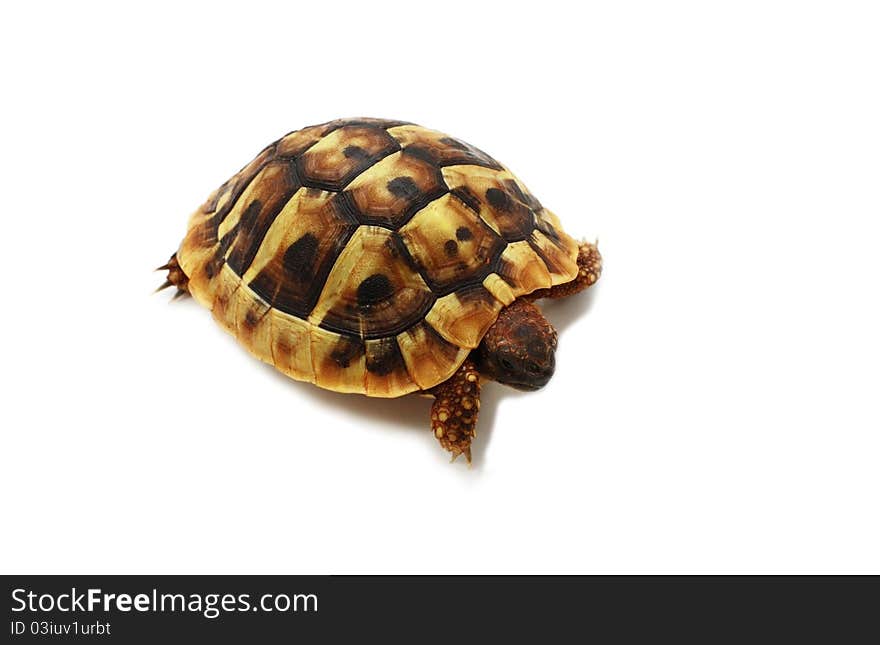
<point>382,258</point>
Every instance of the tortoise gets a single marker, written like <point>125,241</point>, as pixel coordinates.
<point>382,258</point>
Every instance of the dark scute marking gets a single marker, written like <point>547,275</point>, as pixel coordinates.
<point>355,152</point>
<point>249,217</point>
<point>484,158</point>
<point>237,185</point>
<point>384,357</point>
<point>362,158</point>
<point>451,248</point>
<point>466,197</point>
<point>245,230</point>
<point>475,293</point>
<point>383,124</point>
<point>532,202</point>
<point>454,143</point>
<point>347,350</point>
<point>393,248</point>
<point>463,233</point>
<point>213,266</point>
<point>299,258</point>
<point>446,349</point>
<point>398,247</point>
<point>227,240</point>
<point>238,235</point>
<point>552,266</point>
<point>211,205</point>
<point>274,193</point>
<point>420,152</point>
<point>450,155</point>
<point>505,269</point>
<point>374,290</point>
<point>345,207</point>
<point>380,321</point>
<point>251,319</point>
<point>513,187</point>
<point>295,297</point>
<point>488,259</point>
<point>525,198</point>
<point>547,229</point>
<point>515,220</point>
<point>499,199</point>
<point>417,204</point>
<point>403,187</point>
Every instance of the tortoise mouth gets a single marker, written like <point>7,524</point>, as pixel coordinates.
<point>530,385</point>
<point>525,387</point>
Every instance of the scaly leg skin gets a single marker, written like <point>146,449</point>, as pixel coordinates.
<point>455,410</point>
<point>589,269</point>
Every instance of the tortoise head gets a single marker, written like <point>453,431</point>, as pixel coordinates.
<point>520,348</point>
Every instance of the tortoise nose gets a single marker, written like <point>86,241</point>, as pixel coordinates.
<point>539,374</point>
<point>543,377</point>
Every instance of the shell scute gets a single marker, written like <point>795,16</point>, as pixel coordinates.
<point>500,201</point>
<point>290,346</point>
<point>386,371</point>
<point>430,358</point>
<point>522,268</point>
<point>463,317</point>
<point>450,244</point>
<point>267,196</point>
<point>298,252</point>
<point>388,193</point>
<point>339,360</point>
<point>440,149</point>
<point>372,292</point>
<point>342,155</point>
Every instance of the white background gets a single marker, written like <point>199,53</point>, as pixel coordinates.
<point>715,406</point>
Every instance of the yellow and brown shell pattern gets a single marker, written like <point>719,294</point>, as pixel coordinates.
<point>370,256</point>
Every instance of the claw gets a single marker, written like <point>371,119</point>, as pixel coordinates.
<point>467,454</point>
<point>164,285</point>
<point>180,294</point>
<point>176,277</point>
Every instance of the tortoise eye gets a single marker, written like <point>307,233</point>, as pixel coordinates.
<point>506,364</point>
<point>533,368</point>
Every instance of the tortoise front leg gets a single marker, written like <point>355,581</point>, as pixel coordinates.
<point>455,409</point>
<point>589,269</point>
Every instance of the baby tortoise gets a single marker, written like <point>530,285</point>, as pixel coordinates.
<point>379,257</point>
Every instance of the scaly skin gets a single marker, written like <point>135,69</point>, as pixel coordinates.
<point>455,410</point>
<point>519,348</point>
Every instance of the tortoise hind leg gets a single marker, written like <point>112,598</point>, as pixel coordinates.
<point>176,277</point>
<point>455,410</point>
<point>589,269</point>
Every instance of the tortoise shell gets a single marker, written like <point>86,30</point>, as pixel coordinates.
<point>370,256</point>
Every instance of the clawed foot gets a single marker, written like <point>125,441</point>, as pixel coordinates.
<point>455,410</point>
<point>176,277</point>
